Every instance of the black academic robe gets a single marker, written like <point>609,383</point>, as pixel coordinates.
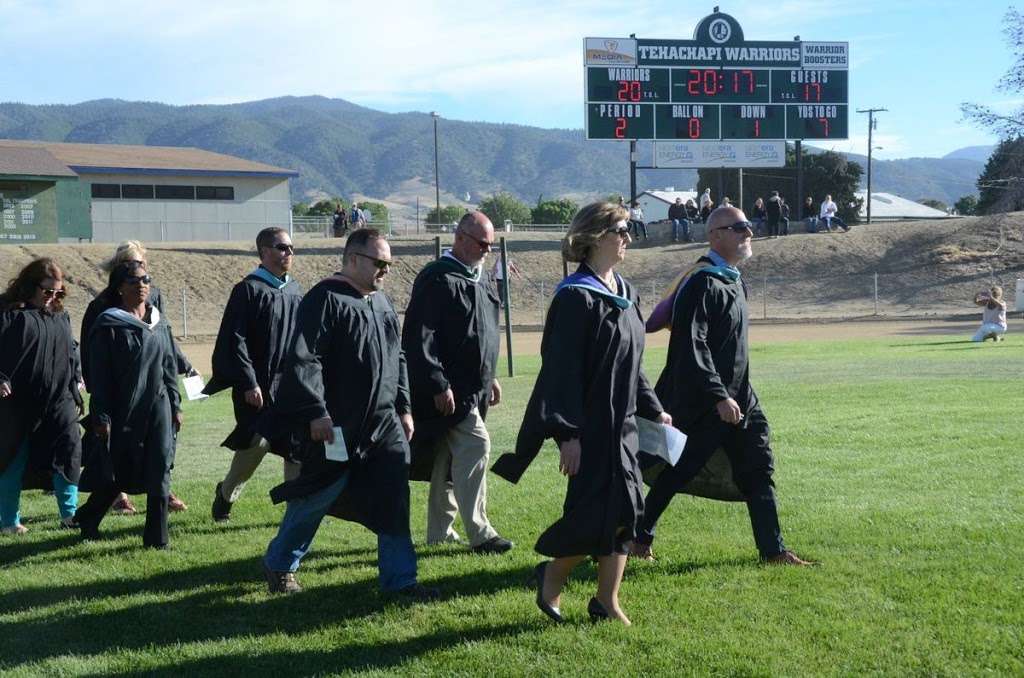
<point>97,306</point>
<point>707,362</point>
<point>450,338</point>
<point>133,386</point>
<point>346,362</point>
<point>37,358</point>
<point>591,386</point>
<point>255,334</point>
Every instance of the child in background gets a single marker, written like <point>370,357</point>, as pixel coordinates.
<point>993,317</point>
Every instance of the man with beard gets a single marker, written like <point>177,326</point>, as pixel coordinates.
<point>450,339</point>
<point>255,334</point>
<point>343,403</point>
<point>705,386</point>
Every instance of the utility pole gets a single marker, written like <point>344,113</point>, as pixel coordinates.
<point>871,128</point>
<point>437,184</point>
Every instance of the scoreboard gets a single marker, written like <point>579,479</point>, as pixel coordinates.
<point>717,86</point>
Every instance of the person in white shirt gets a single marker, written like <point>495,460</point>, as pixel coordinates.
<point>636,220</point>
<point>993,316</point>
<point>829,216</point>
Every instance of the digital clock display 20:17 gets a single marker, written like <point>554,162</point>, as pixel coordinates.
<point>717,85</point>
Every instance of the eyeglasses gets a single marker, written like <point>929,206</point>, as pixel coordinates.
<point>482,244</point>
<point>132,279</point>
<point>738,227</point>
<point>56,294</point>
<point>284,247</point>
<point>379,264</point>
<point>620,231</point>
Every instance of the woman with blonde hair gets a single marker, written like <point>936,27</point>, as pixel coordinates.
<point>131,251</point>
<point>588,393</point>
<point>40,443</point>
<point>993,315</point>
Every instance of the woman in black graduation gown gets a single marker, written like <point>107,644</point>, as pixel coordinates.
<point>586,396</point>
<point>134,409</point>
<point>40,444</point>
<point>131,251</point>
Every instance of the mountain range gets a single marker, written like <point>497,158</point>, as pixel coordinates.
<point>340,148</point>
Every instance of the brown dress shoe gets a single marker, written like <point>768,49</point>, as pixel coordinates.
<point>174,504</point>
<point>281,582</point>
<point>123,506</point>
<point>787,558</point>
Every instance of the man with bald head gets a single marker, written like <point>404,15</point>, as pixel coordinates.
<point>705,386</point>
<point>450,339</point>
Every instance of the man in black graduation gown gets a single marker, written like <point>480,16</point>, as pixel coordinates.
<point>450,339</point>
<point>344,402</point>
<point>705,386</point>
<point>255,333</point>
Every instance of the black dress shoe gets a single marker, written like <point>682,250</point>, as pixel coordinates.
<point>493,546</point>
<point>419,593</point>
<point>550,610</point>
<point>221,509</point>
<point>596,610</point>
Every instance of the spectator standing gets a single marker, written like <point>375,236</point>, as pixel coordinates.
<point>828,214</point>
<point>760,217</point>
<point>784,218</point>
<point>340,221</point>
<point>636,220</point>
<point>680,220</point>
<point>357,219</point>
<point>499,277</point>
<point>706,205</point>
<point>773,209</point>
<point>993,315</point>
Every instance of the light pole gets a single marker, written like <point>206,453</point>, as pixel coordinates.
<point>871,128</point>
<point>437,184</point>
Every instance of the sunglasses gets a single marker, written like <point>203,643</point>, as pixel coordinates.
<point>482,244</point>
<point>284,247</point>
<point>620,231</point>
<point>738,227</point>
<point>56,294</point>
<point>144,279</point>
<point>379,264</point>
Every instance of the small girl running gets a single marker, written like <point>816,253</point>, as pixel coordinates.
<point>993,317</point>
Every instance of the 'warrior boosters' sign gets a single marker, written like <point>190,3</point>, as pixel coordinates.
<point>716,86</point>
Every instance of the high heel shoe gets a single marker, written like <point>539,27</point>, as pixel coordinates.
<point>596,611</point>
<point>550,610</point>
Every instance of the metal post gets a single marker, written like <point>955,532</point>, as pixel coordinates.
<point>799,174</point>
<point>417,215</point>
<point>632,172</point>
<point>764,299</point>
<point>184,314</point>
<point>540,303</point>
<point>508,306</point>
<point>876,294</point>
<point>739,198</point>
<point>437,182</point>
<point>437,247</point>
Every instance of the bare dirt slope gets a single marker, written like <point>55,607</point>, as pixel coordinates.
<point>924,268</point>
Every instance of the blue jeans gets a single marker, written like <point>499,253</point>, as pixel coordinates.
<point>829,221</point>
<point>10,491</point>
<point>683,224</point>
<point>396,558</point>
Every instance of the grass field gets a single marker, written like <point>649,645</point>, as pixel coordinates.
<point>896,469</point>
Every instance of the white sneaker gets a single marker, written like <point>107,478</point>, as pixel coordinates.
<point>18,530</point>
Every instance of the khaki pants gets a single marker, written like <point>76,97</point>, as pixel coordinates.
<point>464,451</point>
<point>244,464</point>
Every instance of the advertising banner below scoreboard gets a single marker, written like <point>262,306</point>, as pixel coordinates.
<point>697,154</point>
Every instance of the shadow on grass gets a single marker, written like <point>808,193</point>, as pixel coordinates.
<point>217,602</point>
<point>368,656</point>
<point>925,345</point>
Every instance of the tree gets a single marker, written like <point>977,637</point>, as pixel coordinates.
<point>966,206</point>
<point>300,209</point>
<point>376,212</point>
<point>502,206</point>
<point>323,208</point>
<point>826,173</point>
<point>559,211</point>
<point>449,214</point>
<point>1001,184</point>
<point>934,204</point>
<point>1012,82</point>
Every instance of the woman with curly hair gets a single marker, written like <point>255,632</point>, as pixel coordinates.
<point>40,444</point>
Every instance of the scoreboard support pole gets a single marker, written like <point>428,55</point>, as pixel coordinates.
<point>739,198</point>
<point>632,172</point>
<point>799,175</point>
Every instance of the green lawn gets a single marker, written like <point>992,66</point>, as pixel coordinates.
<point>898,467</point>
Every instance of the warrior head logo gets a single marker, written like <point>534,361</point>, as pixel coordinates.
<point>611,45</point>
<point>720,30</point>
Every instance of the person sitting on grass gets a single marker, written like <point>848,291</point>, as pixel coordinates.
<point>993,317</point>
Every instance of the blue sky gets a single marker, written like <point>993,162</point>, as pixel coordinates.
<point>516,62</point>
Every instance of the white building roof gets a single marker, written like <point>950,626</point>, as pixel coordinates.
<point>889,206</point>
